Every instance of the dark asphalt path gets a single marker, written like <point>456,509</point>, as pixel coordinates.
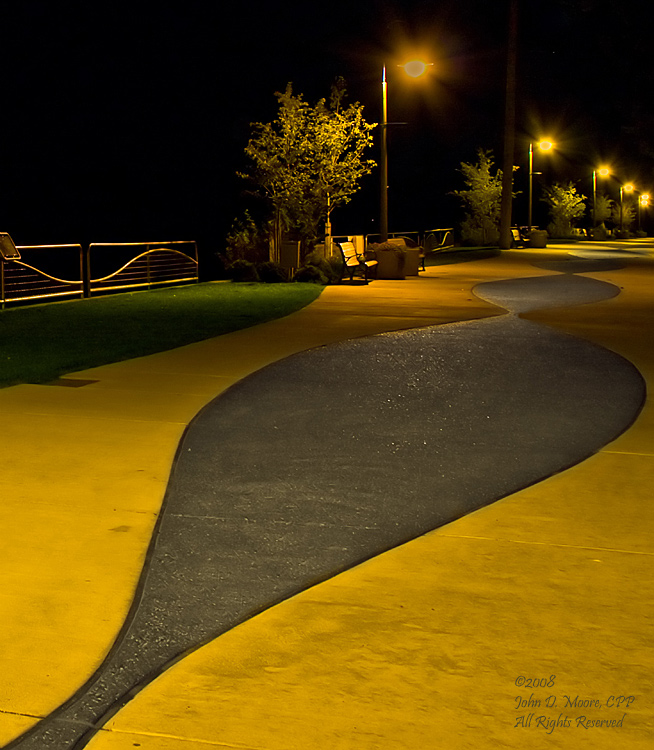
<point>332,456</point>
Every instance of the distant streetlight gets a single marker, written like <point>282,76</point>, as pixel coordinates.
<point>544,145</point>
<point>602,172</point>
<point>643,202</point>
<point>414,69</point>
<point>628,188</point>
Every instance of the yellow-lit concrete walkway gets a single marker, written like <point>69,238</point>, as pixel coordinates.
<point>425,646</point>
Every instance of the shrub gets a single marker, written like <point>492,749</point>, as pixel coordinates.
<point>247,240</point>
<point>314,260</point>
<point>477,232</point>
<point>377,247</point>
<point>388,247</point>
<point>336,263</point>
<point>311,274</point>
<point>242,270</point>
<point>271,273</point>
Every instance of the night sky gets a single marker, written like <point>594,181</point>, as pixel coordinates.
<point>128,122</point>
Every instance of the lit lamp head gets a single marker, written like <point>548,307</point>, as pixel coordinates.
<point>628,188</point>
<point>415,68</point>
<point>545,145</point>
<point>644,199</point>
<point>603,171</point>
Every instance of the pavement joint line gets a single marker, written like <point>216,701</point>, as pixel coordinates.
<point>628,453</point>
<point>97,417</point>
<point>189,740</point>
<point>25,715</point>
<point>547,544</point>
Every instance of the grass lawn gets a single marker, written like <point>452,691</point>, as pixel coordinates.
<point>42,342</point>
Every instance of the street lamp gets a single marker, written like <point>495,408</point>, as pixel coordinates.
<point>643,202</point>
<point>414,69</point>
<point>628,188</point>
<point>544,145</point>
<point>602,172</point>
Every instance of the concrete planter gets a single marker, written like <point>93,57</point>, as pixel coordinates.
<point>412,262</point>
<point>391,263</point>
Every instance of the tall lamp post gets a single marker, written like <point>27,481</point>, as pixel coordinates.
<point>543,146</point>
<point>414,69</point>
<point>602,172</point>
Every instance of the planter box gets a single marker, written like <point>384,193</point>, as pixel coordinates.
<point>412,261</point>
<point>390,264</point>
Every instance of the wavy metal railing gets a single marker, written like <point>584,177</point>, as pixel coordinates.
<point>21,279</point>
<point>40,272</point>
<point>158,263</point>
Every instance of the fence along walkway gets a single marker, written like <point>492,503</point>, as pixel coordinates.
<point>37,272</point>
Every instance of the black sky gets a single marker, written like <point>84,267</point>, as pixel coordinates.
<point>127,122</point>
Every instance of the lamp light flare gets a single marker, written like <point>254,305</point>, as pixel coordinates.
<point>545,145</point>
<point>603,171</point>
<point>415,68</point>
<point>628,188</point>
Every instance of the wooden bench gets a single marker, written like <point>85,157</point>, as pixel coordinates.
<point>517,240</point>
<point>353,261</point>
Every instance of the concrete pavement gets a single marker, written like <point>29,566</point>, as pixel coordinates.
<point>418,646</point>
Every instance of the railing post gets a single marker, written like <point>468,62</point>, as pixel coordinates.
<point>86,271</point>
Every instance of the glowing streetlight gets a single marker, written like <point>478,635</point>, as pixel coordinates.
<point>643,202</point>
<point>544,145</point>
<point>414,69</point>
<point>602,172</point>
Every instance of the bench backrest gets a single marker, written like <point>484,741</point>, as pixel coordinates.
<point>349,252</point>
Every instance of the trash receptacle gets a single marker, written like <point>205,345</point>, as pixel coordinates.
<point>538,238</point>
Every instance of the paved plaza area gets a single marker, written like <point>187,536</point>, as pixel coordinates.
<point>414,514</point>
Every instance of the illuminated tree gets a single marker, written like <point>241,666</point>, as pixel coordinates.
<point>566,208</point>
<point>603,212</point>
<point>623,218</point>
<point>482,200</point>
<point>602,208</point>
<point>309,160</point>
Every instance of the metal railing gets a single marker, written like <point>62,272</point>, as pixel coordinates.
<point>430,239</point>
<point>434,240</point>
<point>133,265</point>
<point>36,273</point>
<point>41,272</point>
<point>415,236</point>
